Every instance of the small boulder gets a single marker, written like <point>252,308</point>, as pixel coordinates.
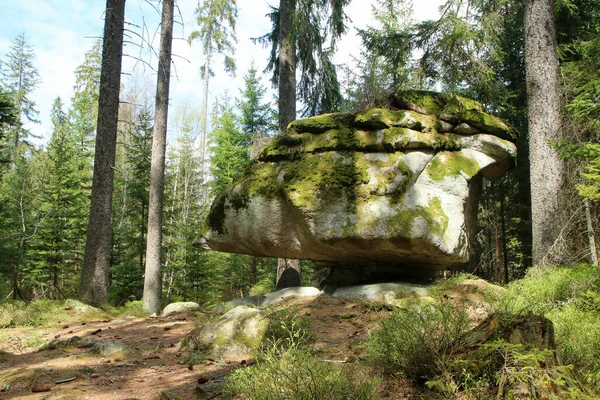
<point>181,307</point>
<point>282,294</point>
<point>382,291</point>
<point>237,332</point>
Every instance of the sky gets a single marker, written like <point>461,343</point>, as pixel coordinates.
<point>61,31</point>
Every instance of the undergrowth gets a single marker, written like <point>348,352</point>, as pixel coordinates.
<point>50,312</point>
<point>286,368</point>
<point>570,298</point>
<point>412,340</point>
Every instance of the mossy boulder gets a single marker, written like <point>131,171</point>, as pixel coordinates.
<point>394,186</point>
<point>238,332</point>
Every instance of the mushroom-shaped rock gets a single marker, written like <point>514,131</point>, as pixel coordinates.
<point>384,186</point>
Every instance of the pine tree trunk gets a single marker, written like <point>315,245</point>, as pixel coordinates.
<point>93,287</point>
<point>205,111</point>
<point>152,298</point>
<point>288,271</point>
<point>544,109</point>
<point>287,65</point>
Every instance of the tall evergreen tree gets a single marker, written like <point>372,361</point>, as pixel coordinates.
<point>230,146</point>
<point>56,242</point>
<point>545,124</point>
<point>216,19</point>
<point>94,282</point>
<point>20,77</point>
<point>130,204</point>
<point>153,275</point>
<point>256,116</point>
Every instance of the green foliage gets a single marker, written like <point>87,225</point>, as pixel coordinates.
<point>130,209</point>
<point>544,289</point>
<point>292,372</point>
<point>257,119</point>
<point>316,28</point>
<point>129,309</point>
<point>230,151</point>
<point>589,153</point>
<point>503,370</point>
<point>413,340</point>
<point>287,328</point>
<point>41,312</point>
<point>216,19</point>
<point>570,298</point>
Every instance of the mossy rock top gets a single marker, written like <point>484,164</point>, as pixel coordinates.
<point>423,120</point>
<point>382,185</point>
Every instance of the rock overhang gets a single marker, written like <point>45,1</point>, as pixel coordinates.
<point>388,185</point>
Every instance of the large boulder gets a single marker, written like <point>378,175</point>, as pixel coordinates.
<point>384,186</point>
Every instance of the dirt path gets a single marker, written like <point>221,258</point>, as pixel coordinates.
<point>152,366</point>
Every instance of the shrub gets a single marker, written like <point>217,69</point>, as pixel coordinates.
<point>570,298</point>
<point>295,374</point>
<point>412,340</point>
<point>503,370</point>
<point>287,328</point>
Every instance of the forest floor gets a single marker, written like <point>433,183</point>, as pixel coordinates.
<point>154,365</point>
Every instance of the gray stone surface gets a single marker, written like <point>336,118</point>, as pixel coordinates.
<point>392,187</point>
<point>282,294</point>
<point>180,307</point>
<point>237,332</point>
<point>382,291</point>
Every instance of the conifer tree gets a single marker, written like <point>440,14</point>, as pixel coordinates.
<point>20,77</point>
<point>94,281</point>
<point>56,243</point>
<point>152,298</point>
<point>216,19</point>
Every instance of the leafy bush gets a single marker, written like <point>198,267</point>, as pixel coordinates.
<point>412,340</point>
<point>295,374</point>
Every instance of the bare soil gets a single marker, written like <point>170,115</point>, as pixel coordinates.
<point>155,366</point>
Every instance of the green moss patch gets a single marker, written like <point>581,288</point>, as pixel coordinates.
<point>451,164</point>
<point>321,123</point>
<point>490,124</point>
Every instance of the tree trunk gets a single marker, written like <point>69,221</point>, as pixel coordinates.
<point>287,65</point>
<point>203,156</point>
<point>590,231</point>
<point>288,271</point>
<point>152,298</point>
<point>544,109</point>
<point>93,287</point>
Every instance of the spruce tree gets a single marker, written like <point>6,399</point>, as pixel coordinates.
<point>20,77</point>
<point>216,20</point>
